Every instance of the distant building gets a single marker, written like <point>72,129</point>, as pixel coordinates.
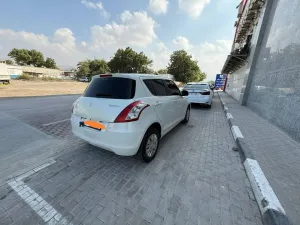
<point>68,73</point>
<point>42,72</point>
<point>14,71</point>
<point>263,67</point>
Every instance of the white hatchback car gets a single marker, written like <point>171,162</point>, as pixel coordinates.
<point>199,93</point>
<point>129,113</point>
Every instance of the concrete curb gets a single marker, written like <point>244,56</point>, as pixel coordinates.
<point>271,209</point>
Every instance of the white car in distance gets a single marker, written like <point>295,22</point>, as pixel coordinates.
<point>129,113</point>
<point>199,92</point>
<point>83,79</point>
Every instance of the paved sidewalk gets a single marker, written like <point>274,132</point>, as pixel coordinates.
<point>196,179</point>
<point>277,153</point>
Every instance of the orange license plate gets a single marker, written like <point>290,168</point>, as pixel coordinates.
<point>94,124</point>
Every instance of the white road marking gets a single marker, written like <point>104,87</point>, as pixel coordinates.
<point>264,194</point>
<point>34,200</point>
<point>229,116</point>
<point>47,124</point>
<point>236,132</point>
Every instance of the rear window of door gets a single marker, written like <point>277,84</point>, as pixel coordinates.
<point>111,87</point>
<point>156,87</point>
<point>172,88</point>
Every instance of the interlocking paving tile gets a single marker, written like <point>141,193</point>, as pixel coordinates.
<point>195,179</point>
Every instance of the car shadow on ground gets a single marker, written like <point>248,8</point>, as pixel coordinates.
<point>165,141</point>
<point>199,107</point>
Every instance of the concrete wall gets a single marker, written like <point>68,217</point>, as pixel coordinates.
<point>14,71</point>
<point>275,88</point>
<point>236,82</point>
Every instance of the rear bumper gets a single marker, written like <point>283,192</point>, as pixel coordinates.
<point>121,138</point>
<point>201,99</point>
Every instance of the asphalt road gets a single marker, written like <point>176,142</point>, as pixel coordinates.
<point>32,130</point>
<point>195,179</point>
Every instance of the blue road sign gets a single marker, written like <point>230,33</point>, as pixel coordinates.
<point>220,81</point>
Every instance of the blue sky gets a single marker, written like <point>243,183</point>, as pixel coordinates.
<point>72,30</point>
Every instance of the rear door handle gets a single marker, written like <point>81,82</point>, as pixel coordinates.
<point>157,103</point>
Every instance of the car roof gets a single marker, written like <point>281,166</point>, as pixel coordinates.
<point>191,83</point>
<point>136,75</point>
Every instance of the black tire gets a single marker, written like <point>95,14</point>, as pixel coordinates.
<point>187,115</point>
<point>143,147</point>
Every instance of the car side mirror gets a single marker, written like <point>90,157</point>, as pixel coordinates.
<point>184,93</point>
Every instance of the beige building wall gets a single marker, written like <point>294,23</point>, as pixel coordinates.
<point>14,70</point>
<point>40,72</point>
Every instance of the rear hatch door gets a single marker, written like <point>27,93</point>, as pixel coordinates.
<point>105,98</point>
<point>197,89</point>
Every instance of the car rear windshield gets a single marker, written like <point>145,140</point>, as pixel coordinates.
<point>111,87</point>
<point>197,86</point>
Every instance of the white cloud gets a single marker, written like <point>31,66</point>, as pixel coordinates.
<point>61,46</point>
<point>160,55</point>
<point>182,43</point>
<point>192,7</point>
<point>210,55</point>
<point>65,38</point>
<point>135,29</point>
<point>97,6</point>
<point>158,6</point>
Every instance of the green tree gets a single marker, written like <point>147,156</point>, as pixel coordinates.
<point>9,62</point>
<point>129,61</point>
<point>36,58</point>
<point>83,69</point>
<point>148,70</point>
<point>98,66</point>
<point>184,68</point>
<point>89,68</point>
<point>25,57</point>
<point>162,71</point>
<point>201,76</point>
<point>21,56</point>
<point>50,63</point>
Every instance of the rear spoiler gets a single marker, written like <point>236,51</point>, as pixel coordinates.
<point>102,75</point>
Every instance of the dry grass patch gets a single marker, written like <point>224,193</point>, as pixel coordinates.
<point>20,88</point>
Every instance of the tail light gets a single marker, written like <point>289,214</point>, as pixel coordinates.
<point>75,103</point>
<point>132,112</point>
<point>205,93</point>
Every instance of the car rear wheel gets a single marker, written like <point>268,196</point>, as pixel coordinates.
<point>187,115</point>
<point>149,145</point>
